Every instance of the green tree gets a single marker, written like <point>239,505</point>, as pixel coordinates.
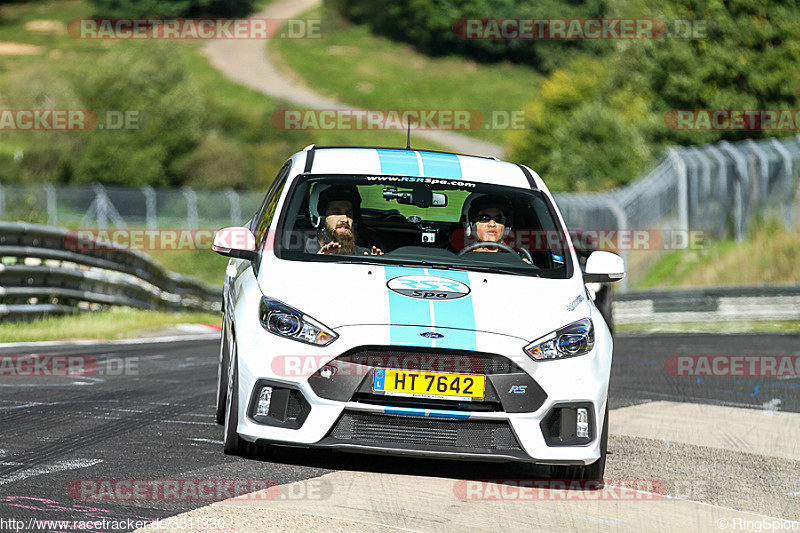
<point>432,26</point>
<point>590,113</point>
<point>171,8</point>
<point>169,106</point>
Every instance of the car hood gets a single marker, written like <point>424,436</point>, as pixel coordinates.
<point>348,294</point>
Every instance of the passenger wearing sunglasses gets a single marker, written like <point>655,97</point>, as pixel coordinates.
<point>490,226</point>
<point>488,221</point>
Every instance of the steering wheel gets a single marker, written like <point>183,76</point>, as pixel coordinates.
<point>486,244</point>
<point>492,244</point>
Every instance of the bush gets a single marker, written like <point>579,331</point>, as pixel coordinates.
<point>429,25</point>
<point>38,156</point>
<point>216,163</point>
<point>171,8</point>
<point>595,123</point>
<point>171,110</point>
<point>596,149</point>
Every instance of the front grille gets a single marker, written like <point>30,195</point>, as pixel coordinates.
<point>431,360</point>
<point>393,431</point>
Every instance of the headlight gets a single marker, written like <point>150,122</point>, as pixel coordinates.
<point>569,341</point>
<point>286,321</point>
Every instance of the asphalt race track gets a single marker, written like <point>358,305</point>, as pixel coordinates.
<point>686,453</point>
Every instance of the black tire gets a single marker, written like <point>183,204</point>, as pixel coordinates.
<point>232,443</point>
<point>603,300</point>
<point>222,376</point>
<point>592,472</point>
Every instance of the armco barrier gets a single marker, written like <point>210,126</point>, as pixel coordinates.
<point>40,273</point>
<point>712,304</point>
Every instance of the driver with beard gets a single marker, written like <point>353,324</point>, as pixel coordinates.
<point>335,222</point>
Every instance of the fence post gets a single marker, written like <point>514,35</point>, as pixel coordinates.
<point>763,169</point>
<point>52,207</point>
<point>150,207</point>
<point>622,225</point>
<point>2,200</point>
<point>191,207</point>
<point>101,209</point>
<point>705,163</point>
<point>723,185</point>
<point>787,169</point>
<point>683,189</point>
<point>739,195</point>
<point>236,209</point>
<point>692,182</point>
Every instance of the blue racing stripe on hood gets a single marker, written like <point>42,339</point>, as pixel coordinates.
<point>405,310</point>
<point>457,314</point>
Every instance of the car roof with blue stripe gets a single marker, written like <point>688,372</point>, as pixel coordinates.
<point>392,161</point>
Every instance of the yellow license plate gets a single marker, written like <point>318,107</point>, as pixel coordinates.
<point>428,384</point>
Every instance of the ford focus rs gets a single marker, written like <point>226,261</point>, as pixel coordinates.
<point>414,302</point>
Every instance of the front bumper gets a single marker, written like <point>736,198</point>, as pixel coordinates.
<point>445,429</point>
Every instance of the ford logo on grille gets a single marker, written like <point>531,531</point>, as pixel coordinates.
<point>428,287</point>
<point>431,335</point>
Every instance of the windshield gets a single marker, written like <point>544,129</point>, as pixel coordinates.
<point>422,222</point>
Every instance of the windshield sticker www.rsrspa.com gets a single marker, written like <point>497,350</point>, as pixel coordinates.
<point>427,181</point>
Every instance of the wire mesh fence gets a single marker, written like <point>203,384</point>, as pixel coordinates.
<point>716,189</point>
<point>97,206</point>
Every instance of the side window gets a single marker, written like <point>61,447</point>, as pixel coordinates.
<point>267,210</point>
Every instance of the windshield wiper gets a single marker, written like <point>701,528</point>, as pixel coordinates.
<point>494,270</point>
<point>428,264</point>
<point>477,268</point>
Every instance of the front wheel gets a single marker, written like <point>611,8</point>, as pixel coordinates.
<point>592,472</point>
<point>232,443</point>
<point>222,376</point>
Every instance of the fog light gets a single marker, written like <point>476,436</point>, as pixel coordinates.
<point>582,423</point>
<point>262,407</point>
<point>327,371</point>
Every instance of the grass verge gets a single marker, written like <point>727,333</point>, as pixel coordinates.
<point>765,326</point>
<point>348,62</point>
<point>205,265</point>
<point>769,254</point>
<point>105,325</point>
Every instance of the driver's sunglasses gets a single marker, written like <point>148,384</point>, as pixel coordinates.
<point>500,219</point>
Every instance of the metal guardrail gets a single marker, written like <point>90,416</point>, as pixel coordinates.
<point>711,304</point>
<point>43,271</point>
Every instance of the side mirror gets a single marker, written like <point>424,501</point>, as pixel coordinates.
<point>603,267</point>
<point>236,242</point>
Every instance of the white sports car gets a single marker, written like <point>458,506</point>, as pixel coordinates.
<point>414,302</point>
